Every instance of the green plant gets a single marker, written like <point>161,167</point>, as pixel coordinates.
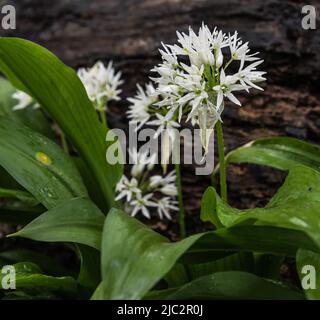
<point>59,197</point>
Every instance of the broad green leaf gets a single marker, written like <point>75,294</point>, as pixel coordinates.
<point>134,257</point>
<point>38,164</point>
<point>274,240</point>
<point>208,207</point>
<point>177,276</point>
<point>296,205</point>
<point>30,117</point>
<point>282,153</point>
<point>50,265</point>
<point>90,273</point>
<point>268,265</point>
<point>30,279</point>
<point>94,191</point>
<point>23,196</point>
<point>308,265</point>
<point>77,220</point>
<point>58,90</point>
<point>130,271</point>
<point>242,261</point>
<point>159,294</point>
<point>235,285</point>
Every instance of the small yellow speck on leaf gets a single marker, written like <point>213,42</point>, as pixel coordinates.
<point>43,158</point>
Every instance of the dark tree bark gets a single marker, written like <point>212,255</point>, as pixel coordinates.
<point>130,32</point>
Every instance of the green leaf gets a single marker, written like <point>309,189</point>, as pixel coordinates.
<point>30,117</point>
<point>50,265</point>
<point>218,244</point>
<point>90,273</point>
<point>308,265</point>
<point>23,196</point>
<point>58,90</point>
<point>134,258</point>
<point>130,271</point>
<point>94,191</point>
<point>242,261</point>
<point>177,276</point>
<point>38,164</point>
<point>235,285</point>
<point>77,220</point>
<point>208,207</point>
<point>268,265</point>
<point>282,153</point>
<point>29,278</point>
<point>296,206</point>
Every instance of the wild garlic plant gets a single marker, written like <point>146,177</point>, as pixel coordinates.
<point>192,82</point>
<point>102,85</point>
<point>71,198</point>
<point>195,78</point>
<point>144,191</point>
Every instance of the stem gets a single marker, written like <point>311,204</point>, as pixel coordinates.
<point>64,142</point>
<point>103,117</point>
<point>222,163</point>
<point>182,223</point>
<point>228,63</point>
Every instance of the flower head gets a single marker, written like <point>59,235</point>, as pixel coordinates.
<point>24,100</point>
<point>145,191</point>
<point>141,105</point>
<point>101,83</point>
<point>194,78</point>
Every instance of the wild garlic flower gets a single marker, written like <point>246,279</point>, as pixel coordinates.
<point>101,83</point>
<point>145,109</point>
<point>24,100</point>
<point>145,191</point>
<point>194,77</point>
<point>142,104</point>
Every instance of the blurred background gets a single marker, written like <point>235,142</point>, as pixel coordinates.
<point>130,32</point>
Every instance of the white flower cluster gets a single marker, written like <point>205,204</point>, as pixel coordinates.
<point>193,80</point>
<point>24,100</point>
<point>144,109</point>
<point>144,191</point>
<point>101,83</point>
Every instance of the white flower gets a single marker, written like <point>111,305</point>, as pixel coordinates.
<point>141,103</point>
<point>197,88</point>
<point>141,203</point>
<point>166,185</point>
<point>101,83</point>
<point>126,188</point>
<point>141,160</point>
<point>164,206</point>
<point>164,122</point>
<point>240,50</point>
<point>169,190</point>
<point>146,191</point>
<point>24,100</point>
<point>227,85</point>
